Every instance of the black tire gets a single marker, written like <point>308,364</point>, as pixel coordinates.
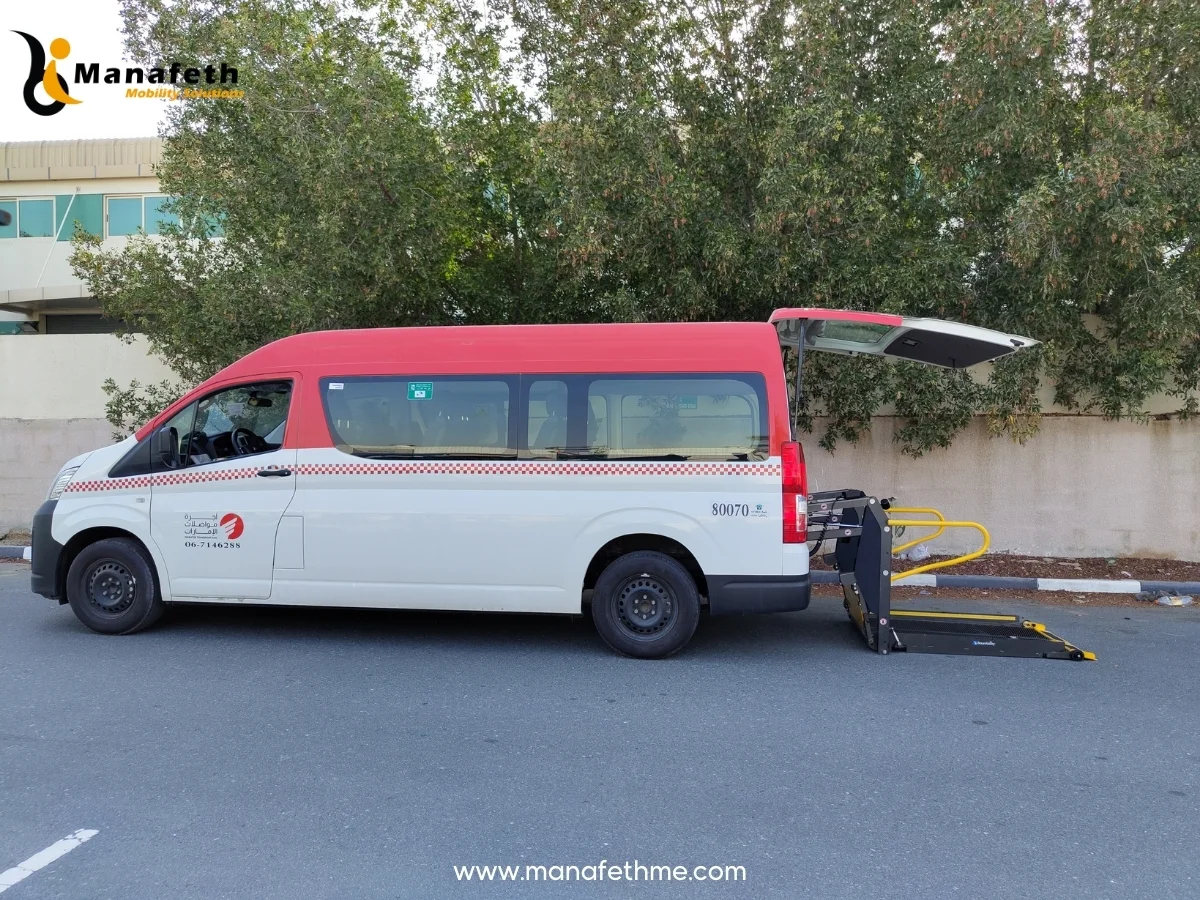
<point>113,588</point>
<point>646,605</point>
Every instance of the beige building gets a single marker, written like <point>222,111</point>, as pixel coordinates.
<point>55,347</point>
<point>48,187</point>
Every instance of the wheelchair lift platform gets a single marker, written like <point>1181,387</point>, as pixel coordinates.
<point>863,558</point>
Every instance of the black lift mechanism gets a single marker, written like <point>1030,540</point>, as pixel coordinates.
<point>863,557</point>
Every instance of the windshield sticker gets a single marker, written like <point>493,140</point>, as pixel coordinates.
<point>420,390</point>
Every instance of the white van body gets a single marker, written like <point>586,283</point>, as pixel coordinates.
<point>508,468</point>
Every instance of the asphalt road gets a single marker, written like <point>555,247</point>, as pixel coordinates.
<point>295,754</point>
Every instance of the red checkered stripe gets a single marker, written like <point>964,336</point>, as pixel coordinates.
<point>135,482</point>
<point>448,467</point>
<point>108,484</point>
<point>577,469</point>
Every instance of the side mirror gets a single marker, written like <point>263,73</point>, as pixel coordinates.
<point>5,217</point>
<point>164,447</point>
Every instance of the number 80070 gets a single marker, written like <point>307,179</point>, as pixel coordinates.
<point>731,509</point>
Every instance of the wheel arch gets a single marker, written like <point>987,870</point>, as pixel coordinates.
<point>88,536</point>
<point>617,547</point>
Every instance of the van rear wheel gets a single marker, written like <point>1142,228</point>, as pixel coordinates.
<point>646,605</point>
<point>112,588</point>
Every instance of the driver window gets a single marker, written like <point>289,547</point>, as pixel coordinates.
<point>240,421</point>
<point>179,427</point>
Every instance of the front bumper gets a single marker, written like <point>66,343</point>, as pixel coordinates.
<point>740,594</point>
<point>45,553</point>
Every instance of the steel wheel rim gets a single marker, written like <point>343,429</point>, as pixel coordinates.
<point>110,587</point>
<point>646,607</point>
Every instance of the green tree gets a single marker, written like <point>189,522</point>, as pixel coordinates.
<point>325,200</point>
<point>1023,165</point>
<point>1026,166</point>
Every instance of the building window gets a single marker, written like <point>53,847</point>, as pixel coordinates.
<point>124,215</point>
<point>32,217</point>
<point>84,210</point>
<point>81,323</point>
<point>156,215</point>
<point>130,214</point>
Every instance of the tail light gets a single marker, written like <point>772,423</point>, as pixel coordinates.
<point>795,494</point>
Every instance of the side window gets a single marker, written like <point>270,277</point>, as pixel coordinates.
<point>239,421</point>
<point>597,424</point>
<point>179,426</point>
<point>420,417</point>
<point>699,417</point>
<point>547,418</point>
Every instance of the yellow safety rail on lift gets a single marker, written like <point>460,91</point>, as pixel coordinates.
<point>941,524</point>
<point>919,509</point>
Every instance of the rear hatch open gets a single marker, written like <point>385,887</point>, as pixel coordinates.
<point>935,342</point>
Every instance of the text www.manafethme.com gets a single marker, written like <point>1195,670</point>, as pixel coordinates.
<point>602,871</point>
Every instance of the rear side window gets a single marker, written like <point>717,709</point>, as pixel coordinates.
<point>695,417</point>
<point>420,417</point>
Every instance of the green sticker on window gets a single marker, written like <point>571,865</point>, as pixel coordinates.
<point>420,390</point>
<point>687,402</point>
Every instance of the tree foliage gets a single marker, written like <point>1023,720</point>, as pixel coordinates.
<point>1028,166</point>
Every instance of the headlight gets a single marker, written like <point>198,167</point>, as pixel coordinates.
<point>61,482</point>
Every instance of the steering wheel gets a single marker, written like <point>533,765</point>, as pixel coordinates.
<point>246,441</point>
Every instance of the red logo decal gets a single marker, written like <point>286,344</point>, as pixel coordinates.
<point>233,525</point>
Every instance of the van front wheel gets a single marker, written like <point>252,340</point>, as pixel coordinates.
<point>646,605</point>
<point>112,588</point>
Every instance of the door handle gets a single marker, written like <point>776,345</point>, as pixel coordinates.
<point>274,473</point>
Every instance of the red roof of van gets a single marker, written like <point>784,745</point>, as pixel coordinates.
<point>470,349</point>
<point>528,349</point>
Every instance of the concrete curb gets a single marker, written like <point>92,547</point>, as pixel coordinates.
<point>7,552</point>
<point>992,582</point>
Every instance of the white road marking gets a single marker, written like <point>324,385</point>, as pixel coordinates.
<point>40,860</point>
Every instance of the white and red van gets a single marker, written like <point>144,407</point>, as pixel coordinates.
<point>648,468</point>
